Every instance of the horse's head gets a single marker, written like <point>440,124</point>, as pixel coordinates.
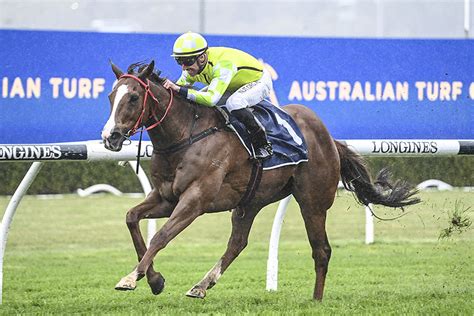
<point>127,101</point>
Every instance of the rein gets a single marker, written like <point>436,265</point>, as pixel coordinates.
<point>192,138</point>
<point>148,92</point>
<point>188,142</point>
<point>176,147</point>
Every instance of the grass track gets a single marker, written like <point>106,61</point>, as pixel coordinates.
<point>64,256</point>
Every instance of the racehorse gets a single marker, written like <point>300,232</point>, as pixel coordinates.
<point>197,168</point>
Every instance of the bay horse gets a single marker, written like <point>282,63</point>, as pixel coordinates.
<point>197,168</point>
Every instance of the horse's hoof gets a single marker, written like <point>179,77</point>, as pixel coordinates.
<point>157,283</point>
<point>196,292</point>
<point>126,284</point>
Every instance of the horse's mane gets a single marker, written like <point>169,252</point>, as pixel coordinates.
<point>140,65</point>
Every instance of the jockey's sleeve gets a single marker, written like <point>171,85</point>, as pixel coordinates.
<point>184,80</point>
<point>222,74</point>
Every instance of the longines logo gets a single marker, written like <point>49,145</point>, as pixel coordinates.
<point>405,147</point>
<point>29,152</point>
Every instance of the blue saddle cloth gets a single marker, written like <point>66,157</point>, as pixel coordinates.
<point>289,146</point>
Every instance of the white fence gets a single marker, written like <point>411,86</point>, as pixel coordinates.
<point>94,151</point>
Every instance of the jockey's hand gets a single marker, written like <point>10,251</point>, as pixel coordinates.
<point>168,84</point>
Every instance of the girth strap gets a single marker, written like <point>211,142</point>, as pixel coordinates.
<point>254,182</point>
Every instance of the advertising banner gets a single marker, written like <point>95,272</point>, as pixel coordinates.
<point>54,85</point>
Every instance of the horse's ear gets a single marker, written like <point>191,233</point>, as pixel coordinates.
<point>145,73</point>
<point>118,73</point>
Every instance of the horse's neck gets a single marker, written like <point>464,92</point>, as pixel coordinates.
<point>180,120</point>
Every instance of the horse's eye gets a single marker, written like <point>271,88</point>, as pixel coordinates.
<point>134,97</point>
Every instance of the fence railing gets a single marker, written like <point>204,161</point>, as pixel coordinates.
<point>95,151</point>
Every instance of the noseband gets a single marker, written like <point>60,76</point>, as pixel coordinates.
<point>147,92</point>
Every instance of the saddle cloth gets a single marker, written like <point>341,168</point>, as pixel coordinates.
<point>289,146</point>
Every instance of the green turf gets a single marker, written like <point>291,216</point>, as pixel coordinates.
<point>64,256</point>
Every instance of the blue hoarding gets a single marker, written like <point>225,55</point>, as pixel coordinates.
<point>54,85</point>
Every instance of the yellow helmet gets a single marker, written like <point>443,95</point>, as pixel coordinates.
<point>189,44</point>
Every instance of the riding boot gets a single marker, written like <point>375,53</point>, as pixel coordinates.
<point>258,137</point>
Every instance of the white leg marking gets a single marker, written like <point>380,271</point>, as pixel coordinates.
<point>199,290</point>
<point>128,282</point>
<point>214,274</point>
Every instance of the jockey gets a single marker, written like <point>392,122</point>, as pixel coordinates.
<point>224,70</point>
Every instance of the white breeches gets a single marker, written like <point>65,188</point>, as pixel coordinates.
<point>250,94</point>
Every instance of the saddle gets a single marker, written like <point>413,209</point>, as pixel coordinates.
<point>289,146</point>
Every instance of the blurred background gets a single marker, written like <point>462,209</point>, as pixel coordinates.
<point>315,18</point>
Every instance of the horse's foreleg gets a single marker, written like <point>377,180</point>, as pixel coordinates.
<point>241,225</point>
<point>152,207</point>
<point>191,204</point>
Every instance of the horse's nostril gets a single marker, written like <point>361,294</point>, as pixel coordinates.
<point>115,135</point>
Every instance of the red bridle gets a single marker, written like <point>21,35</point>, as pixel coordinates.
<point>147,92</point>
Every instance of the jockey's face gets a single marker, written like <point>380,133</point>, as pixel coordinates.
<point>197,66</point>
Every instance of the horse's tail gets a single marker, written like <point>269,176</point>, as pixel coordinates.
<point>356,178</point>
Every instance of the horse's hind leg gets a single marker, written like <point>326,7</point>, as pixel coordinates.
<point>241,223</point>
<point>151,207</point>
<point>315,224</point>
<point>314,201</point>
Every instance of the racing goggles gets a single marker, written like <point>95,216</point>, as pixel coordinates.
<point>186,61</point>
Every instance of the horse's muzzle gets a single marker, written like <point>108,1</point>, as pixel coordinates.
<point>114,141</point>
